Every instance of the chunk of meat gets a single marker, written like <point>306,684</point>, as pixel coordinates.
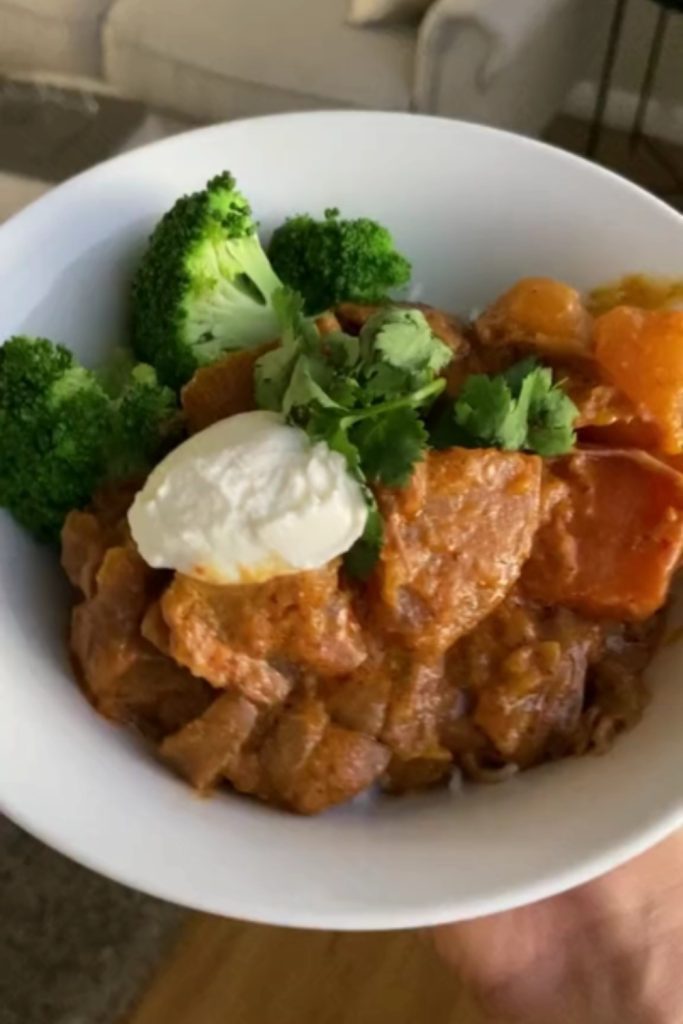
<point>539,315</point>
<point>641,352</point>
<point>84,544</point>
<point>395,696</point>
<point>360,699</point>
<point>525,669</point>
<point>456,540</point>
<point>255,637</point>
<point>154,628</point>
<point>224,388</point>
<point>311,764</point>
<point>418,773</point>
<point>533,709</point>
<point>411,726</point>
<point>126,678</point>
<point>87,535</point>
<point>616,689</point>
<point>155,695</point>
<point>613,542</point>
<point>211,745</point>
<point>106,628</point>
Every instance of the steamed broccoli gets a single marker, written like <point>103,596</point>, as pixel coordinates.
<point>61,434</point>
<point>204,285</point>
<point>146,422</point>
<point>334,260</point>
<point>54,427</point>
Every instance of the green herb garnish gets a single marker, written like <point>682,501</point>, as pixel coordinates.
<point>518,410</point>
<point>364,396</point>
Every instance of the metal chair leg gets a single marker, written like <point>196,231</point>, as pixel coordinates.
<point>595,132</point>
<point>650,76</point>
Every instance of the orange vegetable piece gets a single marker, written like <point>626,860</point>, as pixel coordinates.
<point>456,539</point>
<point>613,540</point>
<point>222,389</point>
<point>641,352</point>
<point>541,314</point>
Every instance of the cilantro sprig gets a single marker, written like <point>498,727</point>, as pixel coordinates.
<point>364,397</point>
<point>521,409</point>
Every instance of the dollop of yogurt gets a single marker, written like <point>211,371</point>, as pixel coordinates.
<point>247,499</point>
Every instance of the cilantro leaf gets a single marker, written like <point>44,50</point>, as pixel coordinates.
<point>297,329</point>
<point>272,374</point>
<point>402,338</point>
<point>307,384</point>
<point>273,370</point>
<point>485,409</point>
<point>551,418</point>
<point>328,426</point>
<point>516,374</point>
<point>389,446</point>
<point>519,410</point>
<point>342,350</point>
<point>383,381</point>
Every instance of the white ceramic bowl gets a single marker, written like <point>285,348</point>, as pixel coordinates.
<point>475,209</point>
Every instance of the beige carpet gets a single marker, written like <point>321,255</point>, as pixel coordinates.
<point>74,948</point>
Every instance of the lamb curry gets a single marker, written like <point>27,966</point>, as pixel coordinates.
<point>509,616</point>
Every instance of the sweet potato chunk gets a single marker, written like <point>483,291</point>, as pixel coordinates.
<point>641,352</point>
<point>540,315</point>
<point>456,540</point>
<point>613,541</point>
<point>248,636</point>
<point>222,389</point>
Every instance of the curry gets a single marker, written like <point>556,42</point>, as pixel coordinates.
<point>509,619</point>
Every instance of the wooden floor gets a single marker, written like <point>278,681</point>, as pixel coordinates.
<point>224,972</point>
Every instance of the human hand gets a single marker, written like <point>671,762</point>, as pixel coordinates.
<point>609,952</point>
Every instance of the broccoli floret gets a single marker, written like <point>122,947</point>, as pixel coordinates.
<point>204,285</point>
<point>146,422</point>
<point>62,434</point>
<point>334,260</point>
<point>55,422</point>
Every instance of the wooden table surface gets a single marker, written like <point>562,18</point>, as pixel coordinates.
<point>224,971</point>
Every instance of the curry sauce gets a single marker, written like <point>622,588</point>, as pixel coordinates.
<point>509,620</point>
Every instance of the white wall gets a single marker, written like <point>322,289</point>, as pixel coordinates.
<point>666,115</point>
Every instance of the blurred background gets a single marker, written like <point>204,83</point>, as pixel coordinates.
<point>83,80</point>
